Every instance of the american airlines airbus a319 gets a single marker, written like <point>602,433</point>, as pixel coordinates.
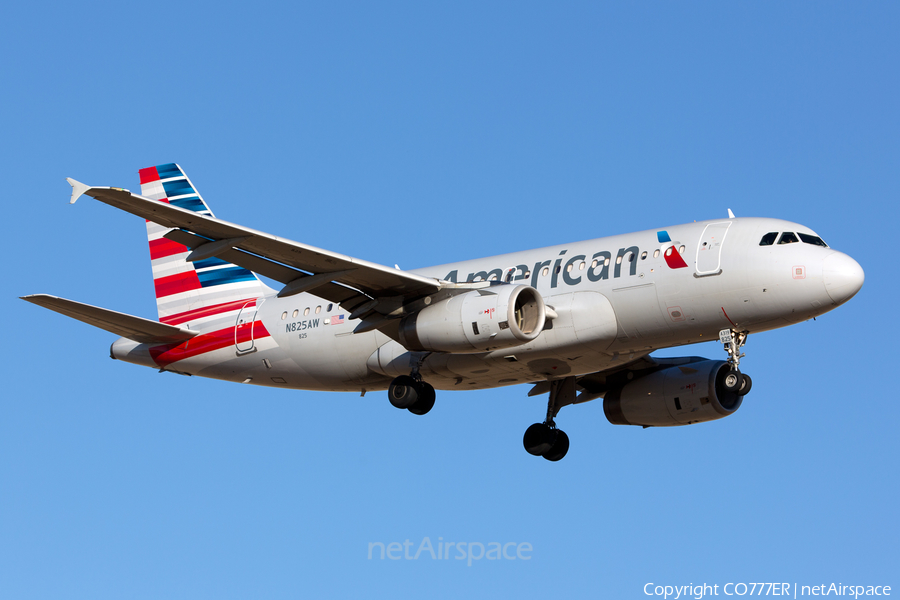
<point>577,321</point>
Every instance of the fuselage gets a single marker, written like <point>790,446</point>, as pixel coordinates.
<point>615,299</point>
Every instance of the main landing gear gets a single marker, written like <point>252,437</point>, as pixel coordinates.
<point>412,394</point>
<point>410,391</point>
<point>544,439</point>
<point>735,381</point>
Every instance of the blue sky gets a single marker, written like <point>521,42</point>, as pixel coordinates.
<point>421,134</point>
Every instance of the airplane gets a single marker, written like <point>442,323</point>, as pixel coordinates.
<point>577,321</point>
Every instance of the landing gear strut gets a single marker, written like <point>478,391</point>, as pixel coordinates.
<point>544,439</point>
<point>735,381</point>
<point>411,392</point>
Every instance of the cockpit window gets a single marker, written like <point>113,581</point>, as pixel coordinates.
<point>768,239</point>
<point>811,239</point>
<point>788,237</point>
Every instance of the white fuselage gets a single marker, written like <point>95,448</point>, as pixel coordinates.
<point>616,299</point>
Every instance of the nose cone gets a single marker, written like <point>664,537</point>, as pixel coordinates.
<point>843,277</point>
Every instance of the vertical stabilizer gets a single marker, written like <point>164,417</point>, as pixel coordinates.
<point>185,291</point>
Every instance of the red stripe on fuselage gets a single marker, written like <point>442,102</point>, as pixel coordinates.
<point>208,311</point>
<point>208,342</point>
<point>149,174</point>
<point>162,247</point>
<point>174,284</point>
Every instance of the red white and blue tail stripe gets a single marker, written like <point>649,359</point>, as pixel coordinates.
<point>187,291</point>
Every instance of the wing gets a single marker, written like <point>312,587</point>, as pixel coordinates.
<point>141,330</point>
<point>361,287</point>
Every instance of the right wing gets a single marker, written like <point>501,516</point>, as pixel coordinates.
<point>143,331</point>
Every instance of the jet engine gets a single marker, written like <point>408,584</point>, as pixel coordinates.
<point>499,316</point>
<point>681,395</point>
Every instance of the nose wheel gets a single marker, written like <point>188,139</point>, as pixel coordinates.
<point>544,439</point>
<point>735,381</point>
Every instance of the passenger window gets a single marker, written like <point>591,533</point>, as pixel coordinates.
<point>788,237</point>
<point>811,239</point>
<point>644,255</point>
<point>296,312</point>
<point>284,315</point>
<point>681,250</point>
<point>330,307</point>
<point>305,311</point>
<point>318,309</point>
<point>656,253</point>
<point>545,271</point>
<point>768,239</point>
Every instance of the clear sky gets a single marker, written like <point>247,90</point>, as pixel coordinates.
<point>418,134</point>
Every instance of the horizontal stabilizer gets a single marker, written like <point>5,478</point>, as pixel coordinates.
<point>144,331</point>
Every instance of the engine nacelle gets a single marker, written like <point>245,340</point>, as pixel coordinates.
<point>682,395</point>
<point>500,316</point>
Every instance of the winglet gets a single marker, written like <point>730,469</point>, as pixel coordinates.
<point>78,189</point>
<point>730,214</point>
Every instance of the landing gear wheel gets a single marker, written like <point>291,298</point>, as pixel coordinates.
<point>559,448</point>
<point>542,440</point>
<point>746,384</point>
<point>404,392</point>
<point>426,399</point>
<point>733,381</point>
<point>538,439</point>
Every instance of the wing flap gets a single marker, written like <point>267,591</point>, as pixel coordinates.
<point>144,331</point>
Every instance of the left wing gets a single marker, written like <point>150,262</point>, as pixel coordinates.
<point>358,285</point>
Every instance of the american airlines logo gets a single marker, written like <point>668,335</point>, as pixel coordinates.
<point>670,251</point>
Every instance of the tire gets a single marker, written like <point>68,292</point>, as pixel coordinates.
<point>732,381</point>
<point>538,439</point>
<point>403,391</point>
<point>559,448</point>
<point>746,384</point>
<point>426,399</point>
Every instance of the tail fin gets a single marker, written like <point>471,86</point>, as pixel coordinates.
<point>190,291</point>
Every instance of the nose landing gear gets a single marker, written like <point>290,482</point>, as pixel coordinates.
<point>544,439</point>
<point>733,341</point>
